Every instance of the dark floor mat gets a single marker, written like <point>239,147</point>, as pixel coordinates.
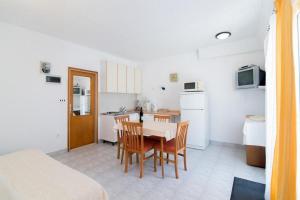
<point>243,189</point>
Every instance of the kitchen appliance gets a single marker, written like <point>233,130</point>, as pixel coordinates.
<point>193,86</point>
<point>194,109</point>
<point>148,106</point>
<point>154,107</point>
<point>87,92</point>
<point>76,90</point>
<point>250,76</point>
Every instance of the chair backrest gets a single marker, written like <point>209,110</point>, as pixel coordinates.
<point>162,118</point>
<point>181,135</point>
<point>133,132</point>
<point>121,118</point>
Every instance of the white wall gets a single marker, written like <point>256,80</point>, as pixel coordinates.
<point>31,115</point>
<point>112,102</point>
<point>227,106</point>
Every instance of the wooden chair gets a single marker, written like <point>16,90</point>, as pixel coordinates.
<point>134,143</point>
<point>176,146</point>
<point>120,119</point>
<point>162,118</point>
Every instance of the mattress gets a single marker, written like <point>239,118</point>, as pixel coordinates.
<point>31,174</point>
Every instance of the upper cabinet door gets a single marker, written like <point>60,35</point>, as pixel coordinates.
<point>122,78</point>
<point>130,80</point>
<point>111,77</point>
<point>137,81</point>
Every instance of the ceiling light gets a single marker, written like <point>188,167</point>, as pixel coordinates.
<point>223,35</point>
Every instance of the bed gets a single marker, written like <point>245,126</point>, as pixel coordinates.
<point>31,174</point>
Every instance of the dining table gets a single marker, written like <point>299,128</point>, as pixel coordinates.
<point>164,131</point>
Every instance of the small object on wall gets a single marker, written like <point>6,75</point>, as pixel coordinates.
<point>53,79</point>
<point>45,67</point>
<point>163,88</point>
<point>173,77</point>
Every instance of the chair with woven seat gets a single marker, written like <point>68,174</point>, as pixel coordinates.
<point>134,143</point>
<point>176,146</point>
<point>120,135</point>
<point>162,118</point>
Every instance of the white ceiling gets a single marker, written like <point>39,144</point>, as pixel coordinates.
<point>137,29</point>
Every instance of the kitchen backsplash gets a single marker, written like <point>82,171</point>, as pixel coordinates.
<point>112,102</point>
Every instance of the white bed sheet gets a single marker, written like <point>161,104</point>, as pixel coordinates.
<point>33,175</point>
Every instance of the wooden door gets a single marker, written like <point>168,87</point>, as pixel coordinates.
<point>82,107</point>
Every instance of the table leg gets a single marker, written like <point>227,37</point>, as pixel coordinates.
<point>162,156</point>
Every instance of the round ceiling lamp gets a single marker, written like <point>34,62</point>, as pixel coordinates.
<point>223,35</point>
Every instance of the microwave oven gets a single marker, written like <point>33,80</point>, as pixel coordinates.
<point>250,76</point>
<point>193,86</point>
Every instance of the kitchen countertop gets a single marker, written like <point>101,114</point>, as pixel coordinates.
<point>117,114</point>
<point>159,112</point>
<point>165,112</point>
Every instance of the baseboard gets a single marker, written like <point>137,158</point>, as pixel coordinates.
<point>55,153</point>
<point>227,144</point>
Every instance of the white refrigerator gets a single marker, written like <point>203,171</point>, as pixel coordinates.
<point>194,109</point>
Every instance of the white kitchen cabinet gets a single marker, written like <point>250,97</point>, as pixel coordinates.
<point>111,77</point>
<point>137,81</point>
<point>122,78</point>
<point>119,78</point>
<point>130,80</point>
<point>106,124</point>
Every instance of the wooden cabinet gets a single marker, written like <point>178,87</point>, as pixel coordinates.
<point>130,80</point>
<point>122,78</point>
<point>111,77</point>
<point>137,81</point>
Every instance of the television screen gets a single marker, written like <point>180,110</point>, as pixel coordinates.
<point>245,78</point>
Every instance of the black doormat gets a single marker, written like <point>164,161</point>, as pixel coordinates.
<point>243,189</point>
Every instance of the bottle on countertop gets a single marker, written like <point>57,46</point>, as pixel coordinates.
<point>141,115</point>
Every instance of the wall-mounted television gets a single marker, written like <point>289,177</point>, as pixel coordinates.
<point>250,76</point>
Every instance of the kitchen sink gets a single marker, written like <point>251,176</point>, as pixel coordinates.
<point>114,113</point>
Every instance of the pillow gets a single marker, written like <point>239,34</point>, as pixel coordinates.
<point>7,191</point>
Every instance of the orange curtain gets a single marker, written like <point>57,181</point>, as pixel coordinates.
<point>283,181</point>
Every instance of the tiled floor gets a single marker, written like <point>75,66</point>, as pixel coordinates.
<point>210,173</point>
